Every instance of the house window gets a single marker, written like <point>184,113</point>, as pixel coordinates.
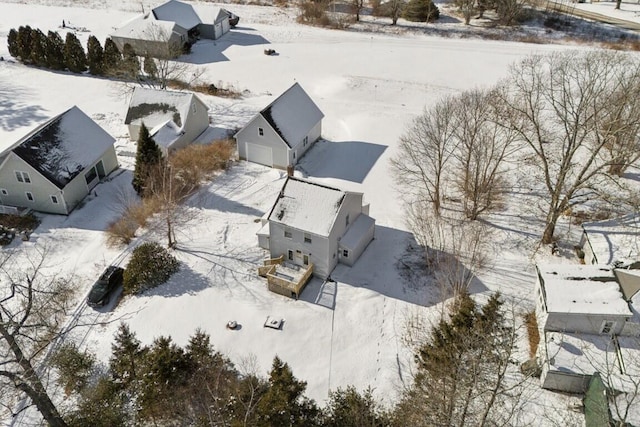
<point>607,327</point>
<point>4,192</point>
<point>345,253</point>
<point>91,175</point>
<point>287,234</point>
<point>347,224</point>
<point>305,141</point>
<point>54,200</point>
<point>305,259</point>
<point>294,154</point>
<point>23,177</point>
<point>307,238</point>
<point>29,196</point>
<point>290,255</point>
<point>260,131</point>
<point>193,107</point>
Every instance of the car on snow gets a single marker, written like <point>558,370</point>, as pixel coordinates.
<point>102,289</point>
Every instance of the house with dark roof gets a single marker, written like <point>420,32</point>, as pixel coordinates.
<point>171,26</point>
<point>311,223</point>
<point>174,119</point>
<point>280,134</point>
<point>56,165</point>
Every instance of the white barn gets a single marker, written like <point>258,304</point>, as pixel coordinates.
<point>280,134</point>
<point>309,221</point>
<point>174,119</point>
<point>56,165</point>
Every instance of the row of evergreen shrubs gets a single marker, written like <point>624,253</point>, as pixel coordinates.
<point>32,47</point>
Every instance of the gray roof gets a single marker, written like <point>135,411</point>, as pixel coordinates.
<point>292,115</point>
<point>64,146</point>
<point>155,107</point>
<point>182,14</point>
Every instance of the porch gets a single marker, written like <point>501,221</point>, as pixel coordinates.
<point>285,278</point>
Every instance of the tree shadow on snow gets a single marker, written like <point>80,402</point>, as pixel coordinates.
<point>184,282</point>
<point>385,267</point>
<point>14,113</point>
<point>346,160</point>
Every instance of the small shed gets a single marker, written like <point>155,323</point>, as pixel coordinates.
<point>356,239</point>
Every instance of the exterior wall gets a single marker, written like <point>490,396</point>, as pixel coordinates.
<point>196,123</point>
<point>318,249</point>
<point>39,187</point>
<point>583,323</point>
<point>630,329</point>
<point>270,139</point>
<point>134,132</point>
<point>352,207</point>
<point>300,149</point>
<point>207,31</point>
<point>354,253</point>
<point>152,47</point>
<point>589,256</point>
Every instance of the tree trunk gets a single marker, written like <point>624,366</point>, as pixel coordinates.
<point>618,2</point>
<point>547,236</point>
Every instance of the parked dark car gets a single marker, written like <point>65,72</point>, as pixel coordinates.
<point>108,281</point>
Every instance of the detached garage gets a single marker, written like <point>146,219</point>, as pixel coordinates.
<point>280,134</point>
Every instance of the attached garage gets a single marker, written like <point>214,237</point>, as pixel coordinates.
<point>259,154</point>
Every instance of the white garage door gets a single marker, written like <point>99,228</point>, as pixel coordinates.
<point>259,154</point>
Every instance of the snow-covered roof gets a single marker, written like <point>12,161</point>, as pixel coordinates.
<point>292,115</point>
<point>577,288</point>
<point>356,231</point>
<point>165,134</point>
<point>149,29</point>
<point>182,14</point>
<point>64,146</point>
<point>307,206</point>
<point>615,239</point>
<point>211,15</point>
<point>156,107</point>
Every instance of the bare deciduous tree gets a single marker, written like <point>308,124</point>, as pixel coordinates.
<point>425,149</point>
<point>467,8</point>
<point>31,317</point>
<point>562,106</point>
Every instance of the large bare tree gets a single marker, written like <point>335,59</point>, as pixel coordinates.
<point>32,309</point>
<point>569,107</point>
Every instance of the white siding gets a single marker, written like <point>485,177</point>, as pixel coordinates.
<point>269,138</point>
<point>196,122</point>
<point>318,249</point>
<point>582,323</point>
<point>300,149</point>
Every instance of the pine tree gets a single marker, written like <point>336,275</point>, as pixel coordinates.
<point>111,57</point>
<point>12,43</point>
<point>126,356</point>
<point>38,48</point>
<point>150,68</point>
<point>348,408</point>
<point>74,57</point>
<point>95,56</point>
<point>284,403</point>
<point>55,51</point>
<point>24,44</point>
<point>148,154</point>
<point>421,11</point>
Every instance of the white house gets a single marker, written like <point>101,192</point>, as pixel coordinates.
<point>174,119</point>
<point>613,241</point>
<point>583,313</point>
<point>57,164</point>
<point>280,134</point>
<point>172,25</point>
<point>318,224</point>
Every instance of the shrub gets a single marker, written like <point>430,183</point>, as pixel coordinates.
<point>74,367</point>
<point>532,332</point>
<point>121,231</point>
<point>150,266</point>
<point>195,163</point>
<point>74,56</point>
<point>421,11</point>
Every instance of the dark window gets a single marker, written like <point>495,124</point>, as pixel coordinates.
<point>29,196</point>
<point>91,175</point>
<point>307,238</point>
<point>260,131</point>
<point>4,192</point>
<point>287,234</point>
<point>54,200</point>
<point>290,254</point>
<point>23,177</point>
<point>345,253</point>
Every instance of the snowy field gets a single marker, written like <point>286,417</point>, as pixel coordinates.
<point>370,87</point>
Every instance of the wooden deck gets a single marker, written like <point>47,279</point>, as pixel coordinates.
<point>284,278</point>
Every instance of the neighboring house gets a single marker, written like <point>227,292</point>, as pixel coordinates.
<point>172,25</point>
<point>56,165</point>
<point>280,134</point>
<point>312,223</point>
<point>614,241</point>
<point>174,119</point>
<point>587,315</point>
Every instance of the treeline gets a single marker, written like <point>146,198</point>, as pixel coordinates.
<point>463,363</point>
<point>32,47</point>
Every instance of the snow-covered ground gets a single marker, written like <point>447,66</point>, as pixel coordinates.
<point>369,86</point>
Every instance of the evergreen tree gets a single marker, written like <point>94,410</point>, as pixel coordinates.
<point>38,48</point>
<point>421,11</point>
<point>95,56</point>
<point>284,403</point>
<point>126,356</point>
<point>148,154</point>
<point>150,68</point>
<point>111,57</point>
<point>55,51</point>
<point>74,57</point>
<point>12,43</point>
<point>130,63</point>
<point>24,44</point>
<point>348,408</point>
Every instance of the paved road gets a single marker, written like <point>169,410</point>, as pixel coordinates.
<point>570,9</point>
